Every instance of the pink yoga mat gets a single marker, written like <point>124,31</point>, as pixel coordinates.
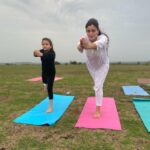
<point>109,116</point>
<point>40,79</point>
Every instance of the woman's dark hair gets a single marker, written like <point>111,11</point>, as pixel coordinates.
<point>94,22</point>
<point>49,40</point>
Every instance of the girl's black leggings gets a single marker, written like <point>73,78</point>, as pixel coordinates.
<point>49,80</point>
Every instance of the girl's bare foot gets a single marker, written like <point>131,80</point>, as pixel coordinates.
<point>45,87</point>
<point>97,113</point>
<point>50,109</point>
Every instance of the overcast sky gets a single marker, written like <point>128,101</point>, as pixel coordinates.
<point>23,23</point>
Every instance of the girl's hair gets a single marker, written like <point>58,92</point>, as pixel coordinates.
<point>49,40</point>
<point>94,22</point>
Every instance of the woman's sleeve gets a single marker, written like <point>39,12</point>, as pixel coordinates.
<point>101,43</point>
<point>79,47</point>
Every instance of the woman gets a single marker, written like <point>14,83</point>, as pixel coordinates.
<point>95,47</point>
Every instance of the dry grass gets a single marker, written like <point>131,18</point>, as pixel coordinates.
<point>18,95</point>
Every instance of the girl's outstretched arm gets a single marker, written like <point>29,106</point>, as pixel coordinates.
<point>37,53</point>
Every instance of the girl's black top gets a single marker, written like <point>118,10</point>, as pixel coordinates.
<point>48,62</point>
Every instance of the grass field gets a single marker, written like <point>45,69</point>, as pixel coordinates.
<point>18,95</point>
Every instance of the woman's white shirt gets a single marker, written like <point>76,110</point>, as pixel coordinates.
<point>99,56</point>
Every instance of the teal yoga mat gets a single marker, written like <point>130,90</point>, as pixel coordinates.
<point>38,116</point>
<point>143,108</point>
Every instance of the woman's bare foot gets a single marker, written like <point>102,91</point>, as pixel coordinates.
<point>97,113</point>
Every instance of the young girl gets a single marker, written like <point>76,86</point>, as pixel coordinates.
<point>47,56</point>
<point>95,47</point>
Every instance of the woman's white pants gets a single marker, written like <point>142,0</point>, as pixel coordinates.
<point>98,75</point>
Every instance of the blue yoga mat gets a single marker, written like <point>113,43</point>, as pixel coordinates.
<point>38,116</point>
<point>134,90</point>
<point>143,108</point>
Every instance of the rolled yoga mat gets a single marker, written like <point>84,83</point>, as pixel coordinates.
<point>109,118</point>
<point>38,116</point>
<point>143,108</point>
<point>134,90</point>
<point>143,81</point>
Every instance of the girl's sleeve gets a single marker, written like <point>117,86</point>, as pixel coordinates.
<point>101,43</point>
<point>51,57</point>
<point>41,50</point>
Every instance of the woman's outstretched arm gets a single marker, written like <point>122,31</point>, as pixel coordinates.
<point>87,44</point>
<point>97,45</point>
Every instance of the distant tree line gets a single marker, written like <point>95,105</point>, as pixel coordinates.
<point>78,63</point>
